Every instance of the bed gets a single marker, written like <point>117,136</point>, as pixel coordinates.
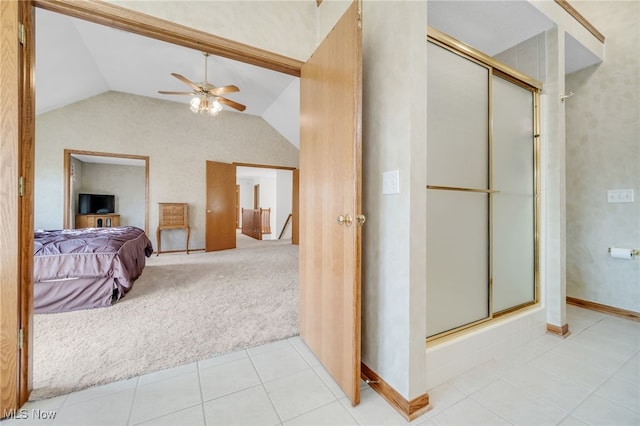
<point>86,268</point>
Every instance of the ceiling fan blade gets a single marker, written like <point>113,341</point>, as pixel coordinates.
<point>225,89</point>
<point>175,93</point>
<point>231,103</point>
<point>187,81</point>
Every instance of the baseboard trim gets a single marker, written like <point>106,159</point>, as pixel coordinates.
<point>179,251</point>
<point>410,410</point>
<point>559,331</point>
<point>632,315</point>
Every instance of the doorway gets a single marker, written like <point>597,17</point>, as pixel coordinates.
<point>151,27</point>
<point>226,184</point>
<point>136,192</point>
<point>16,383</point>
<point>273,189</point>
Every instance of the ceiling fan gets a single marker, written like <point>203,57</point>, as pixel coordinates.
<point>206,96</point>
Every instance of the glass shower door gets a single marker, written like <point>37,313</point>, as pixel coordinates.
<point>513,207</point>
<point>457,191</point>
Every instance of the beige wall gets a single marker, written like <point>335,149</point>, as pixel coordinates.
<point>528,57</point>
<point>394,236</point>
<point>127,183</point>
<point>284,27</point>
<point>603,152</point>
<point>177,142</point>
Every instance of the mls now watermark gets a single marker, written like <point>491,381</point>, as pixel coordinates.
<point>24,414</point>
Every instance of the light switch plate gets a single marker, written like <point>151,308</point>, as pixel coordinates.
<point>620,196</point>
<point>391,182</point>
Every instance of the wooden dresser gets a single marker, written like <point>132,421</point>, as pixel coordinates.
<point>173,216</point>
<point>97,220</point>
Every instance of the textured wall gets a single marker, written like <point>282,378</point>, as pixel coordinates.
<point>177,142</point>
<point>284,27</point>
<point>528,57</point>
<point>125,182</point>
<point>603,152</point>
<point>394,236</point>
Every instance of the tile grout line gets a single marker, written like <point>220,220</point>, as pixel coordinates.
<point>264,388</point>
<point>584,364</point>
<point>166,414</point>
<point>589,392</point>
<point>595,391</point>
<point>477,402</point>
<point>133,400</point>
<point>336,398</point>
<point>599,386</point>
<point>204,415</point>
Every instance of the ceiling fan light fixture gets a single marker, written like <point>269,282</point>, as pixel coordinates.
<point>215,107</point>
<point>202,104</point>
<point>206,97</point>
<point>195,104</point>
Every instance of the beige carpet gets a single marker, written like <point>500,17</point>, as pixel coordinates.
<point>182,309</point>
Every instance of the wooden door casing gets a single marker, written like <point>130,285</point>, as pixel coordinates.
<point>17,137</point>
<point>256,196</point>
<point>237,206</point>
<point>330,186</point>
<point>295,208</point>
<point>220,206</point>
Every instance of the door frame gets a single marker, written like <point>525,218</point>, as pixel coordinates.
<point>68,153</point>
<point>17,136</point>
<point>21,105</point>
<point>294,194</point>
<point>256,196</point>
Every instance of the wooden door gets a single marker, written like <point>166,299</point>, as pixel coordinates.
<point>221,206</point>
<point>17,130</point>
<point>330,188</point>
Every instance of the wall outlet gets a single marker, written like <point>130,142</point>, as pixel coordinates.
<point>620,196</point>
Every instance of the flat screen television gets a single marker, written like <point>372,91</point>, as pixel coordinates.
<point>96,203</point>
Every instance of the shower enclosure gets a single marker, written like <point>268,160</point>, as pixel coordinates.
<point>482,188</point>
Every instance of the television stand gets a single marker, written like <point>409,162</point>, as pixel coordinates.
<point>107,220</point>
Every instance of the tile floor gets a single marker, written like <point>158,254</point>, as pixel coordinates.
<point>593,377</point>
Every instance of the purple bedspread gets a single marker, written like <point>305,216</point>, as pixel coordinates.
<point>107,260</point>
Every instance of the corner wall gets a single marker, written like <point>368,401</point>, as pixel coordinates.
<point>603,152</point>
<point>394,236</point>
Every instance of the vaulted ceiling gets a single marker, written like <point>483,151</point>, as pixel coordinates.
<point>77,59</point>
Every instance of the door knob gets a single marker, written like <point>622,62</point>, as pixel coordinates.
<point>345,220</point>
<point>360,219</point>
